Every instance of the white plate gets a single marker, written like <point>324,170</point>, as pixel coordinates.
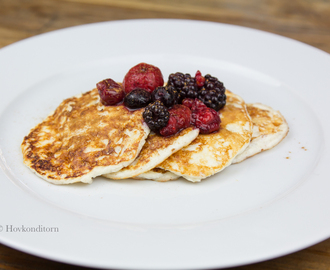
<point>270,205</point>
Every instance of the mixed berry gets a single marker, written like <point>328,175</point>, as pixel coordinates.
<point>168,95</point>
<point>180,118</point>
<point>143,76</point>
<point>111,93</point>
<point>156,115</point>
<point>212,93</point>
<point>184,84</point>
<point>137,98</point>
<point>204,118</point>
<point>182,102</point>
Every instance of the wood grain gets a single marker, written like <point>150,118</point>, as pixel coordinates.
<point>307,21</point>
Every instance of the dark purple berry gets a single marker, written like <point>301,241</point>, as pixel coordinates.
<point>156,115</point>
<point>161,94</point>
<point>173,92</point>
<point>184,84</point>
<point>213,93</point>
<point>169,96</point>
<point>137,98</point>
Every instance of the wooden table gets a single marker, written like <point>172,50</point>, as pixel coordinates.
<point>304,20</point>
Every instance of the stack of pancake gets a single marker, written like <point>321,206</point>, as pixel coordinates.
<point>84,139</point>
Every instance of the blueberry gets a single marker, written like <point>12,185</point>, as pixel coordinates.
<point>137,98</point>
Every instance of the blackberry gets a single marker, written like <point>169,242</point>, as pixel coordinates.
<point>173,92</point>
<point>156,115</point>
<point>184,84</point>
<point>212,93</point>
<point>162,94</point>
<point>137,98</point>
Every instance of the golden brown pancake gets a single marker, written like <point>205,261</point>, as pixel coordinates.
<point>83,139</point>
<point>211,153</point>
<point>156,149</point>
<point>269,129</point>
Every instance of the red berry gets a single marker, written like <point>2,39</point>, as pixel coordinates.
<point>207,120</point>
<point>188,102</point>
<point>110,92</point>
<point>180,118</point>
<point>171,128</point>
<point>143,76</point>
<point>182,115</point>
<point>202,117</point>
<point>198,105</point>
<point>199,79</point>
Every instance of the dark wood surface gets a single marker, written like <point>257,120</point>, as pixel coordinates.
<point>305,20</point>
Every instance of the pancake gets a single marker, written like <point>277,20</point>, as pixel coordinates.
<point>156,149</point>
<point>269,129</point>
<point>211,153</point>
<point>83,139</point>
<point>157,174</point>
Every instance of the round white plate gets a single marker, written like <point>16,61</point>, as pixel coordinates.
<point>267,206</point>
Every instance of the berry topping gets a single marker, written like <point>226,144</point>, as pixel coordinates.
<point>199,79</point>
<point>182,115</point>
<point>175,93</point>
<point>198,105</point>
<point>180,118</point>
<point>110,92</point>
<point>213,93</point>
<point>184,84</point>
<point>143,76</point>
<point>204,118</point>
<point>171,128</point>
<point>167,95</point>
<point>138,98</point>
<point>188,102</point>
<point>156,115</point>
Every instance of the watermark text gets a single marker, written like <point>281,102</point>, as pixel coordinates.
<point>28,229</point>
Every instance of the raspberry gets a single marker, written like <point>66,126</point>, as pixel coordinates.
<point>204,118</point>
<point>143,76</point>
<point>138,98</point>
<point>207,120</point>
<point>110,92</point>
<point>213,93</point>
<point>180,117</point>
<point>188,102</point>
<point>184,84</point>
<point>171,128</point>
<point>198,105</point>
<point>199,79</point>
<point>156,115</point>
